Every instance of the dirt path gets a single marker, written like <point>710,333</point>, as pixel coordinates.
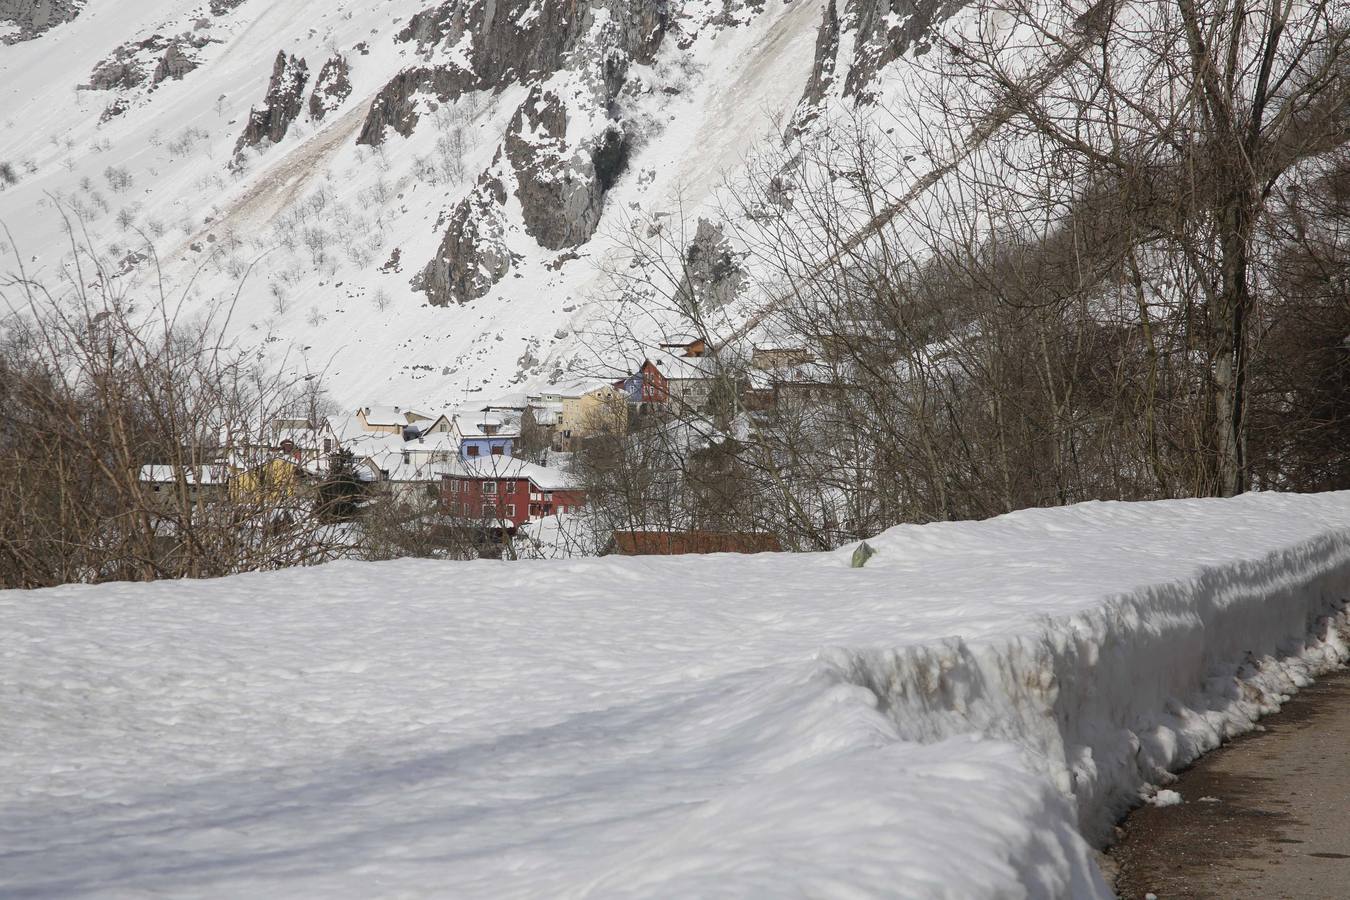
<point>1267,815</point>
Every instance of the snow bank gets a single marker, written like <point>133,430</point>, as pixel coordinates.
<point>942,722</point>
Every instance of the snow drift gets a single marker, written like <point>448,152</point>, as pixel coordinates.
<point>951,720</point>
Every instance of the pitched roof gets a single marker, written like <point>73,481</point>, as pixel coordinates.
<point>202,475</point>
<point>489,467</point>
<point>384,415</point>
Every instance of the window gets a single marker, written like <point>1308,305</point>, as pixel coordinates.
<point>489,511</point>
<point>510,510</point>
<point>489,487</point>
<point>327,445</point>
<point>497,451</point>
<point>471,450</point>
<point>454,485</point>
<point>506,487</point>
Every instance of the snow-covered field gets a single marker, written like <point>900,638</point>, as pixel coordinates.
<point>942,722</point>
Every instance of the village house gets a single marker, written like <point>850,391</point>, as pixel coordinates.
<point>646,387</point>
<point>268,482</point>
<point>385,419</point>
<point>205,483</point>
<point>688,346</point>
<point>483,435</point>
<point>689,380</point>
<point>589,407</point>
<point>786,374</point>
<point>506,493</point>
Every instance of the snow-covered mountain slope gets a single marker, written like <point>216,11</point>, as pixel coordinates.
<point>419,199</point>
<point>769,725</point>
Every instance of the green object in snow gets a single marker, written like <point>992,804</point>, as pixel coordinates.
<point>862,554</point>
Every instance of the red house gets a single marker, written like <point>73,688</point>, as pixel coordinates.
<point>646,385</point>
<point>507,492</point>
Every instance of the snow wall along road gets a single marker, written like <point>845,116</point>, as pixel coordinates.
<point>961,718</point>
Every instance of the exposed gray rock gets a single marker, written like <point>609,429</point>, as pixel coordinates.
<point>713,274</point>
<point>822,70</point>
<point>175,63</point>
<point>114,109</point>
<point>473,255</point>
<point>887,30</point>
<point>884,30</point>
<point>221,7</point>
<point>116,74</point>
<point>508,41</point>
<point>561,188</point>
<point>130,65</point>
<point>36,16</point>
<point>331,88</point>
<point>567,143</point>
<point>281,106</point>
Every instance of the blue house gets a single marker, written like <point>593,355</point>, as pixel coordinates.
<point>483,435</point>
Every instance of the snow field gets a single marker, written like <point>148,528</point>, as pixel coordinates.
<point>941,723</point>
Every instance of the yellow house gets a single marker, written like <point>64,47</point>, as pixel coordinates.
<point>592,409</point>
<point>268,483</point>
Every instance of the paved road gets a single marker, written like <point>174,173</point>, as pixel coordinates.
<point>1267,815</point>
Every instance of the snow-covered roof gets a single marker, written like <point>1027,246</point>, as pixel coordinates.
<point>513,400</point>
<point>385,416</point>
<point>215,473</point>
<point>579,387</point>
<point>472,423</point>
<point>685,367</point>
<point>487,467</point>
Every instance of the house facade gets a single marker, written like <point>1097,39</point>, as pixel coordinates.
<point>384,419</point>
<point>591,408</point>
<point>482,435</point>
<point>507,493</point>
<point>648,385</point>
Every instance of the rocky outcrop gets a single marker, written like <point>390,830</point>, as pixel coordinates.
<point>175,63</point>
<point>887,30</point>
<point>564,147</point>
<point>883,31</point>
<point>561,188</point>
<point>281,106</point>
<point>33,17</point>
<point>153,59</point>
<point>473,255</point>
<point>821,80</point>
<point>331,88</point>
<point>500,42</point>
<point>713,274</point>
<point>568,141</point>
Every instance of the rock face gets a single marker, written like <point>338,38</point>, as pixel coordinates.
<point>882,31</point>
<point>713,273</point>
<point>151,61</point>
<point>566,144</point>
<point>281,106</point>
<point>331,88</point>
<point>36,16</point>
<point>175,63</point>
<point>561,188</point>
<point>473,255</point>
<point>499,42</point>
